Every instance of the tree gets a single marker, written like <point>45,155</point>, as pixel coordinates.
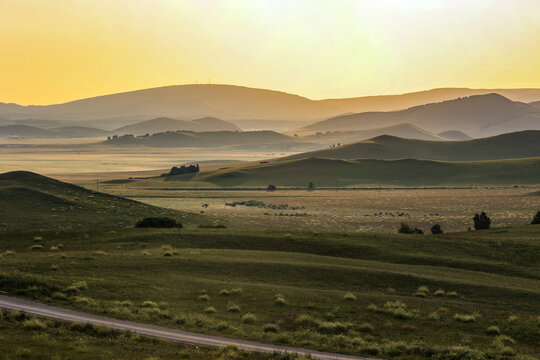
<point>481,221</point>
<point>311,186</point>
<point>536,219</point>
<point>406,229</point>
<point>271,187</point>
<point>436,229</point>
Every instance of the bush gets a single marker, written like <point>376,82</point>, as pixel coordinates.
<point>439,292</point>
<point>224,292</point>
<point>249,318</point>
<point>436,229</point>
<point>481,221</point>
<point>270,328</point>
<point>280,300</point>
<point>36,247</point>
<point>271,187</point>
<point>365,327</point>
<point>233,308</point>
<point>493,330</point>
<point>204,297</point>
<point>158,222</point>
<point>210,310</point>
<point>149,304</point>
<point>536,219</point>
<point>34,324</point>
<point>406,229</point>
<point>236,291</point>
<point>465,318</point>
<point>349,296</point>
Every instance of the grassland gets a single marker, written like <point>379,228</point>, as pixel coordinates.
<point>33,338</point>
<point>456,296</point>
<point>29,200</point>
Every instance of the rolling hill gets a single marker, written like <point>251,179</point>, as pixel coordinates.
<point>479,115</point>
<point>361,172</point>
<point>405,130</point>
<point>236,102</point>
<point>454,135</point>
<point>164,124</point>
<point>214,139</point>
<point>523,144</point>
<point>29,200</point>
<point>26,131</point>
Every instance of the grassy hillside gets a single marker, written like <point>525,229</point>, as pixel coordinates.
<point>214,139</point>
<point>408,172</point>
<point>479,115</point>
<point>522,144</point>
<point>164,124</point>
<point>389,296</point>
<point>29,200</point>
<point>455,135</point>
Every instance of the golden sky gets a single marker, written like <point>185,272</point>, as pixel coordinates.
<point>59,50</point>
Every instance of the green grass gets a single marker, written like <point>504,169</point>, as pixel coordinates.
<point>29,200</point>
<point>340,173</point>
<point>25,337</point>
<point>310,273</point>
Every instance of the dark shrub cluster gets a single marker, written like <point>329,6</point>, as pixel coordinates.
<point>481,221</point>
<point>158,222</point>
<point>536,219</point>
<point>406,229</point>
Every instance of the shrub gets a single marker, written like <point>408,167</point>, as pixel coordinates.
<point>536,219</point>
<point>34,324</point>
<point>210,310</point>
<point>271,187</point>
<point>419,294</point>
<point>436,229</point>
<point>158,222</point>
<point>54,248</point>
<point>77,287</point>
<point>465,318</point>
<point>59,296</point>
<point>493,330</point>
<point>439,292</point>
<point>406,229</point>
<point>233,308</point>
<point>481,221</point>
<point>434,316</point>
<point>83,300</point>
<point>100,253</point>
<point>36,247</point>
<point>311,186</point>
<point>204,297</point>
<point>280,300</point>
<point>306,321</point>
<point>270,328</point>
<point>38,238</point>
<point>365,327</point>
<point>512,318</point>
<point>331,327</point>
<point>8,253</point>
<point>349,296</point>
<point>168,253</point>
<point>180,320</point>
<point>236,291</point>
<point>224,292</point>
<point>451,294</point>
<point>249,318</point>
<point>149,304</point>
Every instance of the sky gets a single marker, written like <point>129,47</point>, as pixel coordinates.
<point>54,51</point>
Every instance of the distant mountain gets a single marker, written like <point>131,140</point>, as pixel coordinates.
<point>183,102</point>
<point>30,200</point>
<point>522,144</point>
<point>164,124</point>
<point>454,135</point>
<point>479,115</point>
<point>407,100</point>
<point>25,131</point>
<point>407,131</point>
<point>235,102</point>
<point>214,139</point>
<point>367,172</point>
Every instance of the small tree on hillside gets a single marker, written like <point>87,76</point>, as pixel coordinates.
<point>406,229</point>
<point>481,221</point>
<point>271,187</point>
<point>311,186</point>
<point>536,219</point>
<point>436,229</point>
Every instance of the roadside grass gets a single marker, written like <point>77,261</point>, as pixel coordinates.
<point>295,289</point>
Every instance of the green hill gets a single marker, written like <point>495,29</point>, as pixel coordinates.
<point>523,144</point>
<point>29,200</point>
<point>406,172</point>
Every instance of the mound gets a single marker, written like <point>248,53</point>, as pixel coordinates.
<point>29,200</point>
<point>454,135</point>
<point>164,124</point>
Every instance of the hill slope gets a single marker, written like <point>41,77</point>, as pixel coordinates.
<point>407,172</point>
<point>211,139</point>
<point>479,115</point>
<point>454,135</point>
<point>164,124</point>
<point>523,144</point>
<point>29,200</point>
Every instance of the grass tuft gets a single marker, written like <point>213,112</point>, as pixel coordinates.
<point>349,296</point>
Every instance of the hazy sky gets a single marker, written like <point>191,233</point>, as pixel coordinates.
<point>58,50</point>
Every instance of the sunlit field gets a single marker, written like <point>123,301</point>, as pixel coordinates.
<point>347,210</point>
